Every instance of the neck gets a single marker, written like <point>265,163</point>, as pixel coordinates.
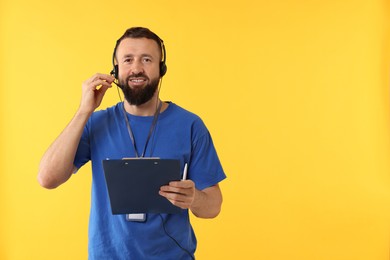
<point>146,109</point>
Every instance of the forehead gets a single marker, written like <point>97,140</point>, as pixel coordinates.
<point>138,46</point>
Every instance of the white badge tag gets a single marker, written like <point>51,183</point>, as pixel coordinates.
<point>136,217</point>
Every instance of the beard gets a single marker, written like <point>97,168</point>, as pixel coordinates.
<point>138,96</point>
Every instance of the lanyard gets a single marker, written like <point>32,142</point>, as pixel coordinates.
<point>155,117</point>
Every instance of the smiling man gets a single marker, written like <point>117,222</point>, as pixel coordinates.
<point>158,129</point>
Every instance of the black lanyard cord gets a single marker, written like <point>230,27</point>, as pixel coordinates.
<point>152,127</point>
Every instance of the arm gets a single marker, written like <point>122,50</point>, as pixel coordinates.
<point>204,203</point>
<point>56,165</point>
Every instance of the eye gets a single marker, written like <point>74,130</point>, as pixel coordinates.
<point>147,60</point>
<point>127,60</point>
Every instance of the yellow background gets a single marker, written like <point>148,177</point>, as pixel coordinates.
<point>294,93</point>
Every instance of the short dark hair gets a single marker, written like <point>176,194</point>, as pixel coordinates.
<point>139,32</point>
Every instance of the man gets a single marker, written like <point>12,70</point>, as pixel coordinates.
<point>141,126</point>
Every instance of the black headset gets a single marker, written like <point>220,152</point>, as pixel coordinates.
<point>163,66</point>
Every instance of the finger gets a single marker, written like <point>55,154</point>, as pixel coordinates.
<point>101,91</point>
<point>99,94</point>
<point>182,184</point>
<point>181,204</point>
<point>179,187</point>
<point>104,83</point>
<point>171,189</point>
<point>174,197</point>
<point>107,78</point>
<point>103,76</point>
<point>181,201</point>
<point>96,83</point>
<point>100,76</point>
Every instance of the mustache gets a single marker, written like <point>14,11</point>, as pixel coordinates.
<point>138,75</point>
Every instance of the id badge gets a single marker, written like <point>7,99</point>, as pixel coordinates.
<point>136,217</point>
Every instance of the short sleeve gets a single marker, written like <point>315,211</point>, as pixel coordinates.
<point>205,167</point>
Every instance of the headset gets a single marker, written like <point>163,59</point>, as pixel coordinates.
<point>163,65</point>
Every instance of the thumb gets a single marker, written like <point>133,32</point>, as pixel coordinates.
<point>100,94</point>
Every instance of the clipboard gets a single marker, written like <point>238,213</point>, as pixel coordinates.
<point>133,184</point>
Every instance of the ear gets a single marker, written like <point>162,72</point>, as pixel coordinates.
<point>163,69</point>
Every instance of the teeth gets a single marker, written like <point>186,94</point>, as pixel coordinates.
<point>137,80</point>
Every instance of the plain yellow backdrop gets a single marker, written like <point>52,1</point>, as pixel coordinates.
<point>294,93</point>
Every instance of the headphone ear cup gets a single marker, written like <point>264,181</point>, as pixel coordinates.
<point>163,69</point>
<point>115,71</point>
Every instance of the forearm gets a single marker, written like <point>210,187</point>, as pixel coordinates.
<point>56,165</point>
<point>207,203</point>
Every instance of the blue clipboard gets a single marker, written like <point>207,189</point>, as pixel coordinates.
<point>133,184</point>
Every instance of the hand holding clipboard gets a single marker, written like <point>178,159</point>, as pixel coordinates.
<point>180,193</point>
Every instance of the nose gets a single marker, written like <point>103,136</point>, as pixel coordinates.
<point>137,67</point>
